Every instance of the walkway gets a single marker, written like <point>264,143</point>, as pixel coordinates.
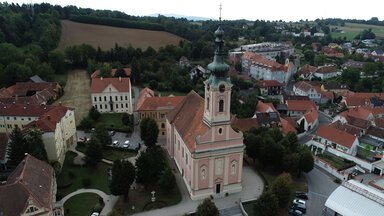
<point>109,200</point>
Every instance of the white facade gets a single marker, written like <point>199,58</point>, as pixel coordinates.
<point>326,75</point>
<point>112,101</point>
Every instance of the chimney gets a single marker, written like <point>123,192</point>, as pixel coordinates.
<point>120,78</point>
<point>49,117</point>
<point>60,103</point>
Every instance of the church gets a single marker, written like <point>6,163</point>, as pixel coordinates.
<point>207,151</point>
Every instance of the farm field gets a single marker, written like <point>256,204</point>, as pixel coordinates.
<point>107,36</point>
<point>352,29</point>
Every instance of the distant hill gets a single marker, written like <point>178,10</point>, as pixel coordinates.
<point>194,18</point>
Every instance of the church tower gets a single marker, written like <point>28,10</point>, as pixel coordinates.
<point>218,87</point>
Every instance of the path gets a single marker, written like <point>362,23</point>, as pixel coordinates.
<point>109,200</point>
<point>77,94</point>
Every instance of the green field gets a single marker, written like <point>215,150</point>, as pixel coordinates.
<point>81,204</point>
<point>352,29</point>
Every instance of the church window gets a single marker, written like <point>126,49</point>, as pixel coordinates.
<point>182,152</point>
<point>95,98</point>
<point>208,103</point>
<point>99,98</point>
<point>122,105</point>
<point>221,105</point>
<point>221,88</point>
<point>220,131</point>
<point>233,168</point>
<point>186,159</point>
<point>126,97</point>
<point>121,97</point>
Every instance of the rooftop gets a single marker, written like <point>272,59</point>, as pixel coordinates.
<point>301,105</point>
<point>159,103</point>
<point>121,84</point>
<point>337,136</point>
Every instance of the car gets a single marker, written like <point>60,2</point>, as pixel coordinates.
<point>138,146</point>
<point>95,214</point>
<point>298,201</point>
<point>112,133</point>
<point>302,195</point>
<point>83,139</point>
<point>115,143</point>
<point>126,144</point>
<point>295,212</point>
<point>299,207</point>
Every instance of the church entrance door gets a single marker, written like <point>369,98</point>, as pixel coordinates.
<point>217,188</point>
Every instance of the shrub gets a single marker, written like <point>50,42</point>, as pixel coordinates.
<point>98,207</point>
<point>337,181</point>
<point>71,175</point>
<point>86,182</point>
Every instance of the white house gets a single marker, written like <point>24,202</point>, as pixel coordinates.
<point>264,69</point>
<point>337,139</point>
<point>310,119</point>
<point>326,72</point>
<point>112,95</point>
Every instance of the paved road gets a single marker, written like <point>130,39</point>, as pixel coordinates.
<point>320,186</point>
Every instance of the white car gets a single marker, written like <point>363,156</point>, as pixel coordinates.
<point>298,201</point>
<point>95,214</point>
<point>126,144</point>
<point>115,143</point>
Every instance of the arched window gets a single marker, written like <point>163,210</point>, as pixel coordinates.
<point>233,168</point>
<point>221,105</point>
<point>203,173</point>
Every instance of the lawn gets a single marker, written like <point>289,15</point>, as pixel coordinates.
<point>352,29</point>
<point>110,154</point>
<point>141,196</point>
<point>297,186</point>
<point>248,207</point>
<point>336,162</point>
<point>82,204</point>
<point>71,177</point>
<point>112,120</point>
<point>349,35</point>
<point>61,79</point>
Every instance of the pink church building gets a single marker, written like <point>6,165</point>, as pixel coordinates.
<point>207,151</point>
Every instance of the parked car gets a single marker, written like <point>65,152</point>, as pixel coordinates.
<point>300,207</point>
<point>138,146</point>
<point>298,201</point>
<point>83,139</point>
<point>112,133</point>
<point>95,214</point>
<point>302,195</point>
<point>295,212</point>
<point>115,143</point>
<point>126,144</point>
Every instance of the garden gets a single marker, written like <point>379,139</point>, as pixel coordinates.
<point>83,204</point>
<point>339,164</point>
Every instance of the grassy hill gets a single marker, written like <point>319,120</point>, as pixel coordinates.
<point>106,36</point>
<point>352,29</point>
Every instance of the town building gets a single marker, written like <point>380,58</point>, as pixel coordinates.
<point>184,62</point>
<point>334,87</point>
<point>157,108</point>
<point>337,139</point>
<point>270,87</point>
<point>306,72</point>
<point>238,75</point>
<point>112,95</point>
<point>313,91</point>
<point>207,151</point>
<point>57,123</point>
<point>298,108</point>
<point>353,64</point>
<point>267,50</point>
<point>310,119</point>
<point>127,71</point>
<point>30,190</point>
<point>198,72</point>
<point>264,69</point>
<point>4,140</point>
<point>326,72</point>
<point>30,93</point>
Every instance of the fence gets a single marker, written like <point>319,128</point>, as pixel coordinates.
<point>328,167</point>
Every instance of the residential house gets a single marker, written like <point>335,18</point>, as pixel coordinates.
<point>244,124</point>
<point>331,52</point>
<point>326,72</point>
<point>269,49</point>
<point>207,152</point>
<point>356,131</point>
<point>198,72</point>
<point>30,190</point>
<point>358,99</point>
<point>157,108</point>
<point>310,119</point>
<point>334,87</point>
<point>313,91</point>
<point>36,79</point>
<point>112,95</point>
<point>318,34</point>
<point>363,51</point>
<point>184,62</point>
<point>375,133</point>
<point>246,61</point>
<point>127,71</point>
<point>337,139</point>
<point>306,72</point>
<point>30,93</point>
<point>59,131</point>
<point>270,87</point>
<point>353,64</point>
<point>287,127</point>
<point>298,108</point>
<point>146,92</point>
<point>378,53</point>
<point>265,107</point>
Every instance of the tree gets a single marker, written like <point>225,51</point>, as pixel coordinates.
<point>320,60</point>
<point>16,147</point>
<point>351,76</point>
<point>135,71</point>
<point>309,56</point>
<point>15,72</point>
<point>149,166</point>
<point>102,134</point>
<point>94,113</point>
<point>168,180</point>
<point>45,71</point>
<point>238,66</point>
<point>266,205</point>
<point>149,131</point>
<point>306,160</point>
<point>123,175</point>
<point>120,73</point>
<point>105,71</point>
<point>127,119</point>
<point>369,68</point>
<point>56,60</point>
<point>207,208</point>
<point>282,189</point>
<point>35,145</point>
<point>93,154</point>
<point>252,145</point>
<point>291,162</point>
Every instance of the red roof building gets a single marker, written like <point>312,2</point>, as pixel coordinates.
<point>337,139</point>
<point>306,71</point>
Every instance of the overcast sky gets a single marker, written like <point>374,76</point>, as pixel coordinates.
<point>287,10</point>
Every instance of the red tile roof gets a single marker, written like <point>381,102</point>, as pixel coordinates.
<point>24,110</point>
<point>361,113</point>
<point>326,69</point>
<point>263,107</point>
<point>121,84</point>
<point>187,117</point>
<point>376,132</point>
<point>356,101</point>
<point>33,179</point>
<point>146,92</point>
<point>274,66</point>
<point>287,127</point>
<point>301,105</point>
<point>245,124</point>
<point>268,83</point>
<point>157,103</point>
<point>311,115</point>
<point>4,138</point>
<point>234,72</point>
<point>304,86</point>
<point>379,122</point>
<point>337,136</point>
<point>97,72</point>
<point>306,70</point>
<point>346,127</point>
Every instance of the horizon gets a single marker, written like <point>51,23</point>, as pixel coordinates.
<point>295,11</point>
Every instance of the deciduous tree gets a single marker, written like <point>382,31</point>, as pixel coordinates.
<point>266,205</point>
<point>93,154</point>
<point>149,131</point>
<point>207,208</point>
<point>123,175</point>
<point>282,188</point>
<point>101,133</point>
<point>149,166</point>
<point>16,147</point>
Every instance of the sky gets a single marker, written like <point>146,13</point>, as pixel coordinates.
<point>286,10</point>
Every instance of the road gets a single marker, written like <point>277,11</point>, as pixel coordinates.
<point>324,119</point>
<point>320,186</point>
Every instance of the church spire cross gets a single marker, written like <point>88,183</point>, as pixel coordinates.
<point>220,12</point>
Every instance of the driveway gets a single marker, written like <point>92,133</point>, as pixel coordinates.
<point>320,186</point>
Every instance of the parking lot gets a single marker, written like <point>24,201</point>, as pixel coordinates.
<point>119,137</point>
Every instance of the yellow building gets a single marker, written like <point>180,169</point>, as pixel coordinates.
<point>57,123</point>
<point>156,108</point>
